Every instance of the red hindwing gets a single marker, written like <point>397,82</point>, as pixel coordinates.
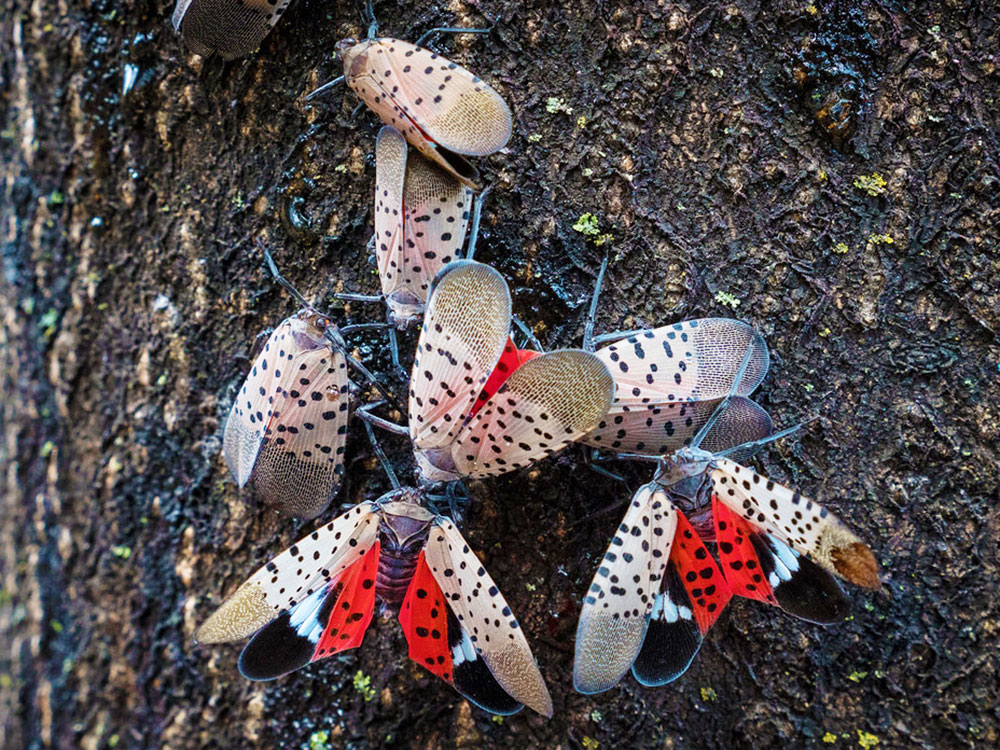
<point>353,607</point>
<point>706,587</point>
<point>510,360</point>
<point>740,563</point>
<point>424,617</point>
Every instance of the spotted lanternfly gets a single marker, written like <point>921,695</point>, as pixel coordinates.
<point>670,380</point>
<point>658,590</point>
<point>288,425</point>
<point>421,216</point>
<point>228,28</point>
<point>445,111</point>
<point>478,407</point>
<point>317,599</point>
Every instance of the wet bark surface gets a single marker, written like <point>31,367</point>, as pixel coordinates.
<point>730,149</point>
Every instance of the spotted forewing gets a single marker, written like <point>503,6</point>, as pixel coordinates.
<point>539,405</point>
<point>287,428</point>
<point>658,589</point>
<point>669,381</point>
<point>421,216</point>
<point>443,110</point>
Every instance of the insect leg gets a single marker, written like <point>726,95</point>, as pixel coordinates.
<point>592,460</point>
<point>353,327</point>
<point>605,338</point>
<point>477,211</point>
<point>763,441</point>
<point>394,354</point>
<point>324,88</point>
<point>365,413</point>
<point>528,333</point>
<point>710,423</point>
<point>448,30</point>
<point>259,340</point>
<point>380,455</point>
<point>368,14</point>
<point>588,326</point>
<point>351,297</point>
<point>357,365</point>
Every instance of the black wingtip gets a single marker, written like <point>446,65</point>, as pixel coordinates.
<point>275,650</point>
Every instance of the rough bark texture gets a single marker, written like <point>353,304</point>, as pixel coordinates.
<point>714,141</point>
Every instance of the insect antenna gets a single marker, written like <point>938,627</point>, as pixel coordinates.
<point>281,280</point>
<point>710,423</point>
<point>588,327</point>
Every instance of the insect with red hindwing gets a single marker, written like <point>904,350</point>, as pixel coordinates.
<point>317,598</point>
<point>480,407</point>
<point>658,590</point>
<point>288,424</point>
<point>229,28</point>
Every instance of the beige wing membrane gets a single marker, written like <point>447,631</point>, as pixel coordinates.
<point>661,428</point>
<point>799,522</point>
<point>615,610</point>
<point>293,575</point>
<point>228,28</point>
<point>484,614</point>
<point>695,360</point>
<point>466,324</point>
<point>545,404</point>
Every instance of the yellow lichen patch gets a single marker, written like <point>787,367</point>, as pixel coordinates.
<point>867,740</point>
<point>874,184</point>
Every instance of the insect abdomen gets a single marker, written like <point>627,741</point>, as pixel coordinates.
<point>395,570</point>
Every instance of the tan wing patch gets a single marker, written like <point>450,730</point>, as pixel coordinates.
<point>803,524</point>
<point>228,28</point>
<point>293,575</point>
<point>691,360</point>
<point>390,174</point>
<point>465,328</point>
<point>547,402</point>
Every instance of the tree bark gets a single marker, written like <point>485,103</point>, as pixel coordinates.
<point>826,171</point>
